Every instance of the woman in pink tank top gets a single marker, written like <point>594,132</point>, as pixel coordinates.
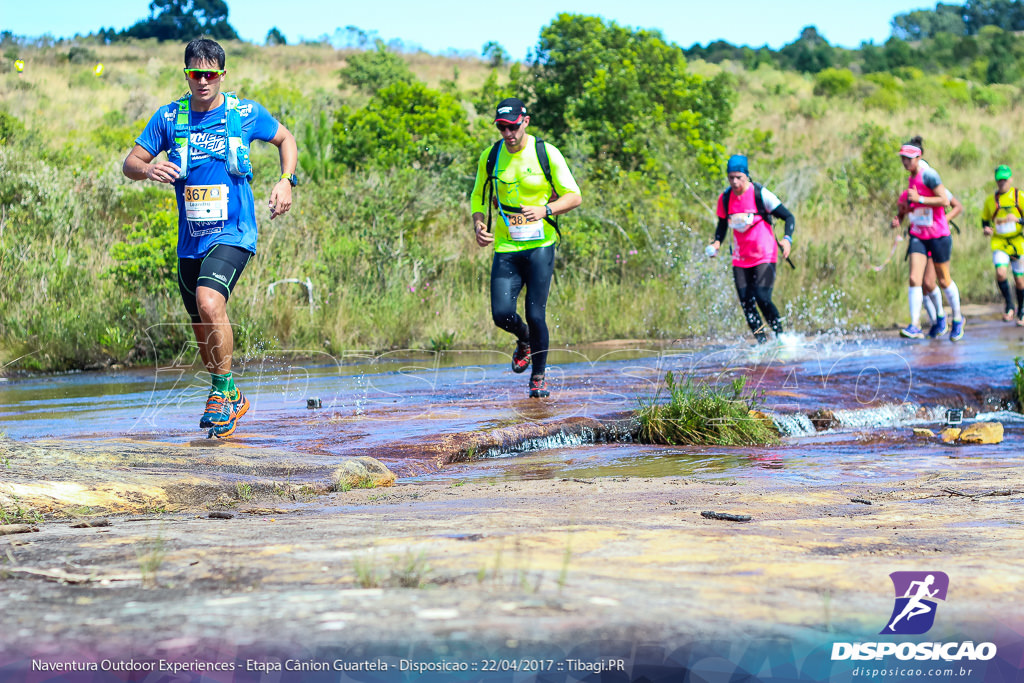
<point>926,203</point>
<point>747,208</point>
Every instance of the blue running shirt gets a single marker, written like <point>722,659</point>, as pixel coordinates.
<point>208,177</point>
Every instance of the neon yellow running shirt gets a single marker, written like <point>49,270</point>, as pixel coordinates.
<point>521,182</point>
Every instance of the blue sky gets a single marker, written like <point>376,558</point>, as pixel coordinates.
<point>438,25</point>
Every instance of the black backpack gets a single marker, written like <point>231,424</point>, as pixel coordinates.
<point>545,166</point>
<point>758,202</point>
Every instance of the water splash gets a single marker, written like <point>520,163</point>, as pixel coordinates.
<point>793,424</point>
<point>891,415</point>
<point>999,416</point>
<point>583,437</point>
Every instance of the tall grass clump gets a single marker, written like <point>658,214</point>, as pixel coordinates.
<point>1018,383</point>
<point>704,414</point>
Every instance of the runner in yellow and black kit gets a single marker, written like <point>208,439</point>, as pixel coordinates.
<point>1001,218</point>
<point>513,180</point>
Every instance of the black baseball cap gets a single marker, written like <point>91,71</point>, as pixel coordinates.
<point>510,110</point>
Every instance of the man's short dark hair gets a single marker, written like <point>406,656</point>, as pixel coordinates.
<point>204,50</point>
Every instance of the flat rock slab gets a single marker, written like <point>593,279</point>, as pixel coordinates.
<point>555,561</point>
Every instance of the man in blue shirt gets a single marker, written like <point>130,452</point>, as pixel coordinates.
<point>206,135</point>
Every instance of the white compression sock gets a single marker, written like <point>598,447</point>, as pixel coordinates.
<point>914,296</point>
<point>936,296</point>
<point>929,307</point>
<point>953,297</point>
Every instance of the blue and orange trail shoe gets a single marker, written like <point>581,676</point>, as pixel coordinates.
<point>938,328</point>
<point>912,332</point>
<point>956,332</point>
<point>238,408</point>
<point>539,388</point>
<point>218,410</point>
<point>521,357</point>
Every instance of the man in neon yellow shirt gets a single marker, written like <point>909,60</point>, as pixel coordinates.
<point>1001,219</point>
<point>527,183</point>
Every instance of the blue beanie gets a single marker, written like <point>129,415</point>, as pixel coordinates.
<point>737,164</point>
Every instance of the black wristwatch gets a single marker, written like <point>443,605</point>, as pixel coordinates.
<point>547,207</point>
<point>291,178</point>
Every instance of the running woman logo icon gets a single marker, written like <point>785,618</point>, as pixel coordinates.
<point>916,596</point>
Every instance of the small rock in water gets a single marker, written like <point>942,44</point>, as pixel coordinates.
<point>950,434</point>
<point>823,419</point>
<point>923,433</point>
<point>983,432</point>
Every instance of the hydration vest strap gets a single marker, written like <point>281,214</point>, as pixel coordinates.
<point>181,135</point>
<point>762,210</point>
<point>489,192</point>
<point>236,154</point>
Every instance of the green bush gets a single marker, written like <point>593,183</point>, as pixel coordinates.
<point>873,178</point>
<point>82,55</point>
<point>374,70</point>
<point>592,76</point>
<point>885,81</point>
<point>964,155</point>
<point>956,91</point>
<point>705,414</point>
<point>991,97</point>
<point>834,82</point>
<point>890,101</point>
<point>11,129</point>
<point>403,125</point>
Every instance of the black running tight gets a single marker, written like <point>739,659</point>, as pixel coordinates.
<point>510,271</point>
<point>754,287</point>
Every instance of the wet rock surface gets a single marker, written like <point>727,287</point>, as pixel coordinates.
<point>463,564</point>
<point>501,529</point>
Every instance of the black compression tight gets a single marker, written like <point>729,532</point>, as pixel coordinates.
<point>510,271</point>
<point>754,287</point>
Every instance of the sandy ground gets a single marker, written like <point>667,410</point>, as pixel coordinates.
<point>475,568</point>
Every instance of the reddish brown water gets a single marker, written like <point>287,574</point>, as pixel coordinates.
<point>421,413</point>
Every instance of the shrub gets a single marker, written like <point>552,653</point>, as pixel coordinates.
<point>592,76</point>
<point>374,70</point>
<point>11,129</point>
<point>964,155</point>
<point>887,100</point>
<point>956,91</point>
<point>404,125</point>
<point>833,82</point>
<point>705,414</point>
<point>990,97</point>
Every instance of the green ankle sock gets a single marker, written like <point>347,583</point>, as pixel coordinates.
<point>225,384</point>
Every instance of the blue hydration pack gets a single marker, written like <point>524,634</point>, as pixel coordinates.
<point>236,154</point>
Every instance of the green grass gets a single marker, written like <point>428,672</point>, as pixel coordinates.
<point>151,553</point>
<point>409,570</point>
<point>1018,382</point>
<point>19,515</point>
<point>244,491</point>
<point>401,270</point>
<point>704,414</point>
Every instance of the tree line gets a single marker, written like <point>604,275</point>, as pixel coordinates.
<point>975,40</point>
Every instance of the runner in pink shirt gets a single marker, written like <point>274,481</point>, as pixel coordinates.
<point>927,200</point>
<point>747,208</point>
